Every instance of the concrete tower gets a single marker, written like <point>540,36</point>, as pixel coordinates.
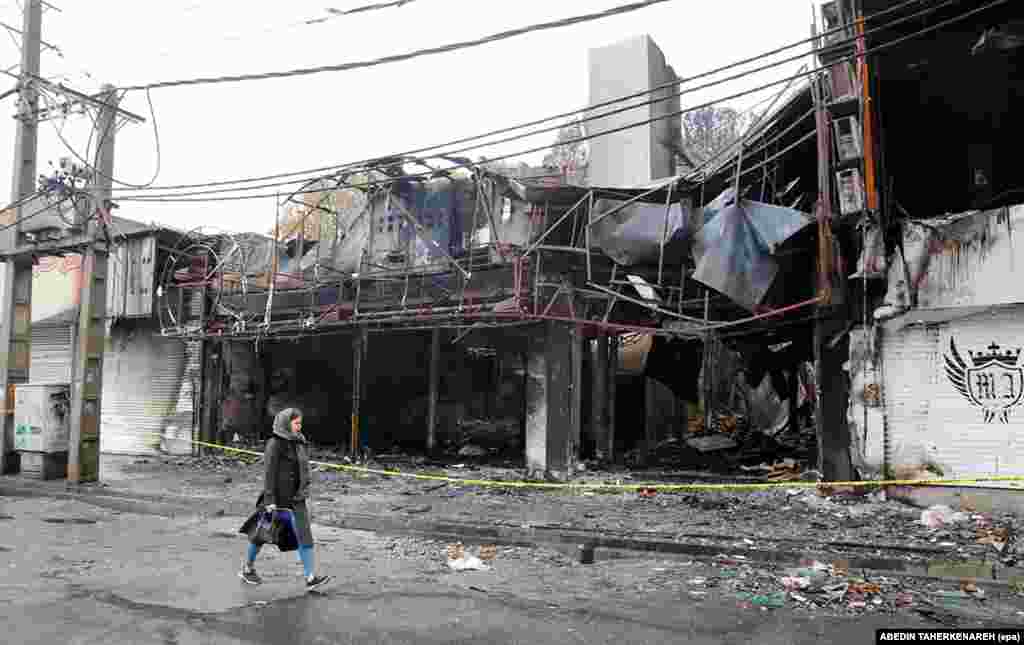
<point>639,155</point>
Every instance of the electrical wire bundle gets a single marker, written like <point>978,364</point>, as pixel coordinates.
<point>247,188</point>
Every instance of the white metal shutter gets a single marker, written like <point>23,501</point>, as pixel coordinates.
<point>962,442</point>
<point>142,377</point>
<point>51,354</point>
<point>186,417</point>
<point>910,368</point>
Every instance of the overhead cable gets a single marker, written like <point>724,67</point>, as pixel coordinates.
<point>554,128</point>
<point>504,35</point>
<point>103,137</point>
<point>333,13</point>
<point>45,44</point>
<point>671,84</point>
<point>170,198</point>
<point>363,9</point>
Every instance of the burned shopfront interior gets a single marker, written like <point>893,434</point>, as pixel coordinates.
<point>462,315</point>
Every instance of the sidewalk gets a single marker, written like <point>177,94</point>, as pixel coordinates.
<point>783,519</point>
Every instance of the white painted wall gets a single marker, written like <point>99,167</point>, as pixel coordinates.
<point>961,261</point>
<point>929,420</point>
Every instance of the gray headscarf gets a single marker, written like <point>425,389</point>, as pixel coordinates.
<point>283,430</point>
<point>283,425</point>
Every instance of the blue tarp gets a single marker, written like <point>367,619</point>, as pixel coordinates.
<point>434,205</point>
<point>734,249</point>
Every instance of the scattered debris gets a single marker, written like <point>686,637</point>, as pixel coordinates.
<point>904,599</point>
<point>467,563</point>
<point>792,583</point>
<point>864,588</point>
<point>472,451</point>
<point>997,537</point>
<point>456,551</point>
<point>787,470</point>
<point>968,586</point>
<point>938,516</point>
<point>488,552</point>
<point>775,600</point>
<point>711,443</point>
<point>585,554</point>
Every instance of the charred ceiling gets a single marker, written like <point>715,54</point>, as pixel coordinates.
<point>946,104</point>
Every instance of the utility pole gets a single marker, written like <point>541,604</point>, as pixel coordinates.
<point>16,291</point>
<point>84,448</point>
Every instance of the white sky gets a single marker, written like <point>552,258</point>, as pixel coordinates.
<point>236,130</point>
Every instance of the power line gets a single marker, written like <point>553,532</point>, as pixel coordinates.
<point>363,9</point>
<point>588,118</point>
<point>45,44</point>
<point>107,131</point>
<point>504,35</point>
<point>334,13</point>
<point>574,113</point>
<point>883,46</point>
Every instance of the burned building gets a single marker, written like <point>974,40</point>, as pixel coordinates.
<point>773,301</point>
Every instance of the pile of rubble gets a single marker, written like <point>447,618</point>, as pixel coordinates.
<point>832,588</point>
<point>480,438</point>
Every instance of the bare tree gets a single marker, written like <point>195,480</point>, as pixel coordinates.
<point>567,155</point>
<point>708,131</point>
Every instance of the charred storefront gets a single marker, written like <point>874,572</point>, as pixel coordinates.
<point>727,317</point>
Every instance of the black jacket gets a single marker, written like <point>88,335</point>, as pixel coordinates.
<point>284,483</point>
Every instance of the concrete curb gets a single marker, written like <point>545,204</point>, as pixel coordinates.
<point>570,541</point>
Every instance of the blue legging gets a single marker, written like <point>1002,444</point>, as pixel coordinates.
<point>305,550</point>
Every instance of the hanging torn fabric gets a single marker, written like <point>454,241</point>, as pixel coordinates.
<point>734,250</point>
<point>632,235</point>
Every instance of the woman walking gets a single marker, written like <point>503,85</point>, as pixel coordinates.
<point>285,489</point>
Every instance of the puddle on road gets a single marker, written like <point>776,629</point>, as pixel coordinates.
<point>68,520</point>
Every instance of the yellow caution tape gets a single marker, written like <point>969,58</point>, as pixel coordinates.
<point>627,487</point>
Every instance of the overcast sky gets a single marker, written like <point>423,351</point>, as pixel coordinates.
<point>235,130</point>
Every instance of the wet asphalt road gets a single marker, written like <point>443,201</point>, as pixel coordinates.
<point>409,616</point>
<point>79,574</point>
